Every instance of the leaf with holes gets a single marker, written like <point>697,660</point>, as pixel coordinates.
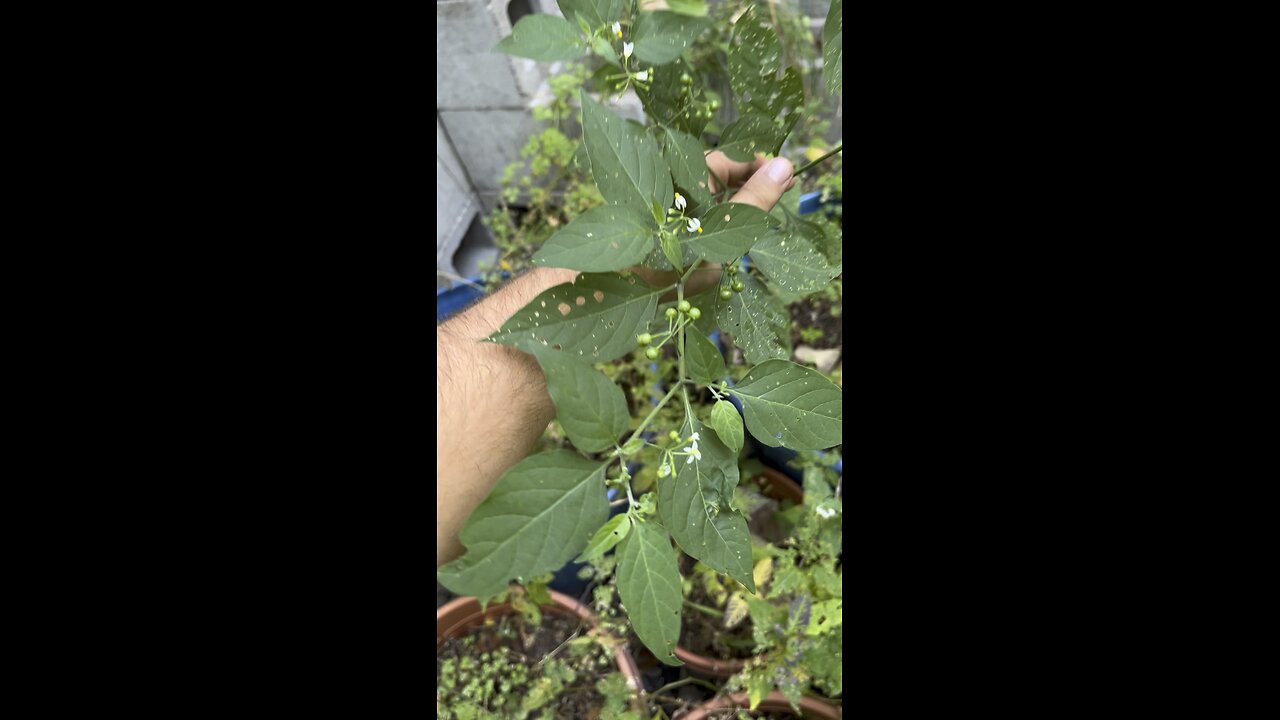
<point>792,262</point>
<point>791,405</point>
<point>833,48</point>
<point>592,410</point>
<point>665,103</point>
<point>545,38</point>
<point>596,317</point>
<point>702,358</point>
<point>751,133</point>
<point>728,424</point>
<point>649,585</point>
<point>662,36</point>
<point>625,162</point>
<point>692,8</point>
<point>729,230</point>
<point>609,534</point>
<point>758,321</point>
<point>595,13</point>
<point>609,237</point>
<point>755,54</point>
<point>696,508</point>
<point>688,166</point>
<point>538,517</point>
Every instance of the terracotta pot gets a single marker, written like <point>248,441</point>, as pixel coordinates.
<point>461,614</point>
<point>778,486</point>
<point>810,708</point>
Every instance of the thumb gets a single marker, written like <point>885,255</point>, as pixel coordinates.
<point>767,185</point>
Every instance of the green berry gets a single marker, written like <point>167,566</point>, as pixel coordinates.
<point>671,313</point>
<point>739,286</point>
<point>715,104</point>
<point>684,78</point>
<point>675,436</point>
<point>725,294</point>
<point>651,353</point>
<point>644,339</point>
<point>684,306</point>
<point>695,313</point>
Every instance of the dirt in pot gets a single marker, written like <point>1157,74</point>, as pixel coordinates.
<point>816,321</point>
<point>706,635</point>
<point>736,714</point>
<point>512,668</point>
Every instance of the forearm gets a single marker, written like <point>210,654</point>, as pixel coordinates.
<point>491,404</point>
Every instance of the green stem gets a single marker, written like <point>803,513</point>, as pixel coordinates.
<point>801,171</point>
<point>654,412</point>
<point>702,608</point>
<point>688,412</point>
<point>686,681</point>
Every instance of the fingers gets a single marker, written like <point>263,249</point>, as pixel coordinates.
<point>767,185</point>
<point>736,173</point>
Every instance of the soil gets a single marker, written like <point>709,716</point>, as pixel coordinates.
<point>705,635</point>
<point>528,645</point>
<point>815,312</point>
<point>732,714</point>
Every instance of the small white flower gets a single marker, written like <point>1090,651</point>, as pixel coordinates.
<point>642,76</point>
<point>695,438</point>
<point>664,471</point>
<point>680,202</point>
<point>689,461</point>
<point>617,29</point>
<point>626,49</point>
<point>696,453</point>
<point>695,225</point>
<point>826,512</point>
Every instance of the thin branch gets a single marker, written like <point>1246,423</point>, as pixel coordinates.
<point>686,681</point>
<point>801,171</point>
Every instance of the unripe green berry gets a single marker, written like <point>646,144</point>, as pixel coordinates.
<point>725,294</point>
<point>739,286</point>
<point>715,104</point>
<point>684,306</point>
<point>651,353</point>
<point>675,436</point>
<point>684,78</point>
<point>695,313</point>
<point>644,339</point>
<point>671,313</point>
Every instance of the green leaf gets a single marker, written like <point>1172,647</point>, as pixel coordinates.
<point>755,54</point>
<point>692,8</point>
<point>749,134</point>
<point>696,508</point>
<point>758,685</point>
<point>595,13</point>
<point>540,515</point>
<point>545,38</point>
<point>791,405</point>
<point>683,153</point>
<point>702,358</point>
<point>662,36</point>
<point>609,534</point>
<point>833,48</point>
<point>758,321</point>
<point>792,262</point>
<point>664,103</point>
<point>596,317</point>
<point>728,424</point>
<point>609,237</point>
<point>729,230</point>
<point>592,410</point>
<point>625,162</point>
<point>649,585</point>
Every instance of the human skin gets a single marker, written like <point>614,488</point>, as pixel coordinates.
<point>491,400</point>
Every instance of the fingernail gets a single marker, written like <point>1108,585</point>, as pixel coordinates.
<point>779,170</point>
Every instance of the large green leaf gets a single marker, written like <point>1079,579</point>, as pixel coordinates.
<point>754,58</point>
<point>758,321</point>
<point>592,410</point>
<point>749,134</point>
<point>538,517</point>
<point>833,48</point>
<point>695,507</point>
<point>702,358</point>
<point>792,262</point>
<point>595,13</point>
<point>625,162</point>
<point>609,237</point>
<point>693,8</point>
<point>729,230</point>
<point>596,317</point>
<point>791,405</point>
<point>665,103</point>
<point>649,584</point>
<point>662,36</point>
<point>728,424</point>
<point>545,38</point>
<point>688,166</point>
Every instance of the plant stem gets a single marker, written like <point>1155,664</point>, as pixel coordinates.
<point>801,171</point>
<point>703,608</point>
<point>686,681</point>
<point>684,392</point>
<point>654,412</point>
